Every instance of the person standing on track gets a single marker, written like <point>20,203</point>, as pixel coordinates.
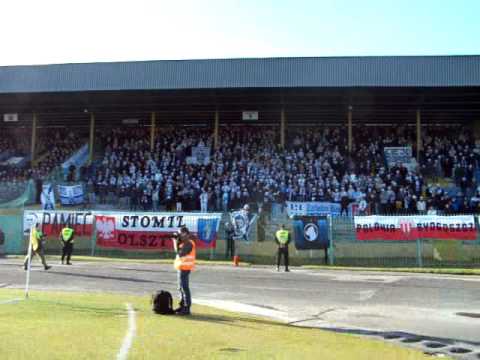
<point>37,243</point>
<point>282,238</point>
<point>184,263</point>
<point>230,246</point>
<point>67,239</point>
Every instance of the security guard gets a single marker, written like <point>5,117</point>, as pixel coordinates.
<point>37,243</point>
<point>67,239</point>
<point>184,263</point>
<point>282,238</point>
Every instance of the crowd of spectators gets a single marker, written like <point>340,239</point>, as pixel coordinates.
<point>14,142</point>
<point>56,147</point>
<point>248,166</point>
<point>53,147</point>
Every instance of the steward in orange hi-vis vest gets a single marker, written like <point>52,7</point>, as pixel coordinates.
<point>185,262</point>
<point>184,248</point>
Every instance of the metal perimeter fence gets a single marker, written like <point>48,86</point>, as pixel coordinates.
<point>344,250</point>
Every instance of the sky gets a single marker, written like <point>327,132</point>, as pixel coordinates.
<point>63,31</point>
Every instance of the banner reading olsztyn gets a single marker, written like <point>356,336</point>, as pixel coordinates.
<point>147,231</point>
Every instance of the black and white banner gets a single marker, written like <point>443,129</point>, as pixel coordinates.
<point>242,222</point>
<point>311,232</point>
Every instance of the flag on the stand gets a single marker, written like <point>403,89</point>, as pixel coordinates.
<point>311,233</point>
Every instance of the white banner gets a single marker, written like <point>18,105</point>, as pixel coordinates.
<point>200,155</point>
<point>461,227</point>
<point>398,154</point>
<point>47,197</point>
<point>70,194</point>
<point>152,222</point>
<point>14,161</point>
<point>313,208</point>
<point>10,117</point>
<point>250,115</point>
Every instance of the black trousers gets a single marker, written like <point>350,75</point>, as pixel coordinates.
<point>67,251</point>
<point>230,250</point>
<point>282,251</point>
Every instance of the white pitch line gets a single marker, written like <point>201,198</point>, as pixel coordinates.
<point>244,308</point>
<point>128,339</point>
<point>11,301</point>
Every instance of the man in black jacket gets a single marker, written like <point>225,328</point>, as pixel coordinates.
<point>230,245</point>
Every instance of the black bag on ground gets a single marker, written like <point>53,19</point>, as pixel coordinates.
<point>162,303</point>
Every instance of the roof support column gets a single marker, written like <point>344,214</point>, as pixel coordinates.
<point>349,129</point>
<point>282,128</point>
<point>215,129</point>
<point>152,130</point>
<point>34,138</point>
<point>419,134</point>
<point>91,141</point>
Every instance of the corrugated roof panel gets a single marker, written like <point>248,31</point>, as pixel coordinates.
<point>413,71</point>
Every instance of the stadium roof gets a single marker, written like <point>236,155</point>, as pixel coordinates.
<point>319,72</point>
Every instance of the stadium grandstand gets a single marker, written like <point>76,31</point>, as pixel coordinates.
<point>390,135</point>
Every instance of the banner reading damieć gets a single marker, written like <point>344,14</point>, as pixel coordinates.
<point>53,221</point>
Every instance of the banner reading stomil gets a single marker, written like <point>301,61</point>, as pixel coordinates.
<point>153,231</point>
<point>408,228</point>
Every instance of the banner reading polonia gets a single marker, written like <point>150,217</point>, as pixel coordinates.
<point>137,231</point>
<point>415,227</point>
